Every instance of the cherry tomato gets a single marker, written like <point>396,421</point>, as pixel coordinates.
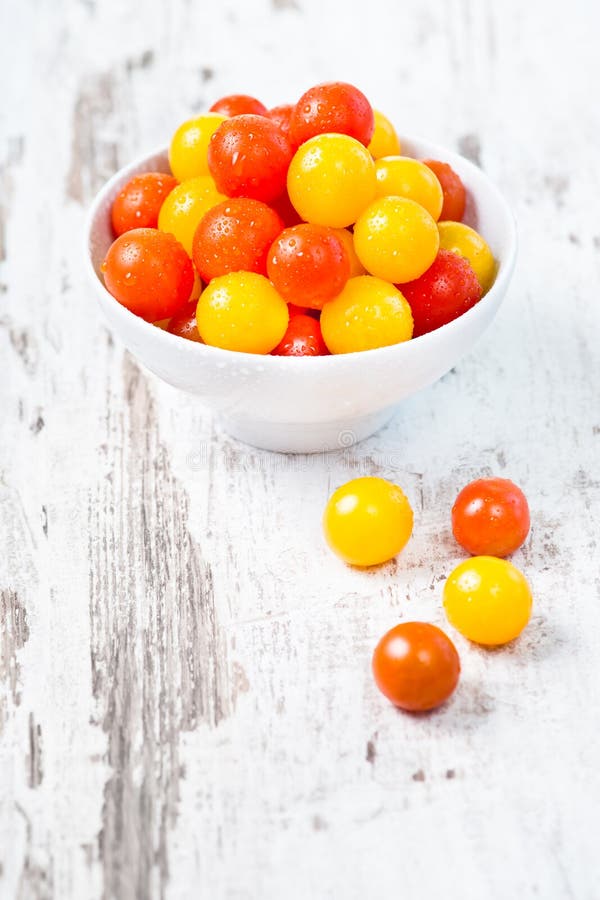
<point>368,313</point>
<point>184,207</point>
<point>331,179</point>
<point>347,238</point>
<point>308,264</point>
<point>444,292</point>
<point>488,600</point>
<point>242,311</point>
<point>367,521</point>
<point>239,105</point>
<point>490,517</point>
<point>455,196</point>
<point>149,272</point>
<point>284,209</point>
<point>282,116</point>
<point>184,323</point>
<point>235,236</point>
<point>302,311</point>
<point>396,239</point>
<point>189,146</point>
<point>138,204</point>
<point>332,107</point>
<point>249,156</point>
<point>465,241</point>
<point>416,666</point>
<point>402,176</point>
<point>302,338</point>
<point>385,141</point>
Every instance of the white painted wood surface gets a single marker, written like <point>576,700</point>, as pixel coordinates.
<point>186,708</point>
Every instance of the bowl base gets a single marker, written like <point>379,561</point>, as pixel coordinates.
<point>293,437</point>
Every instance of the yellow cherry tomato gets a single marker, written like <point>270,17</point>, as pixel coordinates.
<point>367,521</point>
<point>385,141</point>
<point>242,311</point>
<point>368,313</point>
<point>189,146</point>
<point>396,239</point>
<point>356,267</point>
<point>468,243</point>
<point>331,179</point>
<point>184,207</point>
<point>401,176</point>
<point>488,600</point>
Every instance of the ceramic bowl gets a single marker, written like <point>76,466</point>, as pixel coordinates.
<point>307,404</point>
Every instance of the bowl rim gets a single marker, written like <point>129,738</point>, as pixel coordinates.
<point>494,294</point>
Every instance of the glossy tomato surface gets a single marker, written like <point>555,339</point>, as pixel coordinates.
<point>138,204</point>
<point>455,195</point>
<point>239,105</point>
<point>308,264</point>
<point>333,107</point>
<point>490,517</point>
<point>302,338</point>
<point>444,292</point>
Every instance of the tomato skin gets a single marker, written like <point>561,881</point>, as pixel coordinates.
<point>396,239</point>
<point>416,666</point>
<point>239,105</point>
<point>402,176</point>
<point>282,116</point>
<point>464,240</point>
<point>189,146</point>
<point>308,264</point>
<point>488,600</point>
<point>490,517</point>
<point>385,141</point>
<point>184,324</point>
<point>302,338</point>
<point>138,203</point>
<point>368,313</point>
<point>334,106</point>
<point>367,521</point>
<point>235,236</point>
<point>184,207</point>
<point>248,156</point>
<point>441,294</point>
<point>149,272</point>
<point>455,195</point>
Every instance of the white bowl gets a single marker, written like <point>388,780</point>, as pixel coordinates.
<point>307,404</point>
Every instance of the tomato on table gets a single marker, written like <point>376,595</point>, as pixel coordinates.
<point>368,313</point>
<point>416,666</point>
<point>235,236</point>
<point>455,195</point>
<point>138,203</point>
<point>490,517</point>
<point>385,141</point>
<point>239,105</point>
<point>331,179</point>
<point>184,324</point>
<point>488,600</point>
<point>188,151</point>
<point>302,338</point>
<point>242,311</point>
<point>308,264</point>
<point>396,239</point>
<point>149,272</point>
<point>332,107</point>
<point>248,156</point>
<point>367,521</point>
<point>444,292</point>
<point>184,207</point>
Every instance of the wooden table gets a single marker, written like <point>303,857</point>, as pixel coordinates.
<point>186,707</point>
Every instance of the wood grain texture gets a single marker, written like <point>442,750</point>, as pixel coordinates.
<point>186,708</point>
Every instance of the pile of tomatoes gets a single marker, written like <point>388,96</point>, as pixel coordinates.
<point>297,231</point>
<point>488,600</point>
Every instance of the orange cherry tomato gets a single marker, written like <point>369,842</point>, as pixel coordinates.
<point>282,116</point>
<point>455,196</point>
<point>416,666</point>
<point>184,324</point>
<point>239,105</point>
<point>138,204</point>
<point>149,272</point>
<point>302,338</point>
<point>490,517</point>
<point>235,236</point>
<point>308,264</point>
<point>333,107</point>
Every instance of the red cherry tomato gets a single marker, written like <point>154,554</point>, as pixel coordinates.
<point>416,666</point>
<point>302,338</point>
<point>490,517</point>
<point>303,311</point>
<point>149,272</point>
<point>283,207</point>
<point>447,289</point>
<point>455,196</point>
<point>308,264</point>
<point>235,236</point>
<point>184,323</point>
<point>332,107</point>
<point>248,156</point>
<point>239,105</point>
<point>138,204</point>
<point>282,116</point>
